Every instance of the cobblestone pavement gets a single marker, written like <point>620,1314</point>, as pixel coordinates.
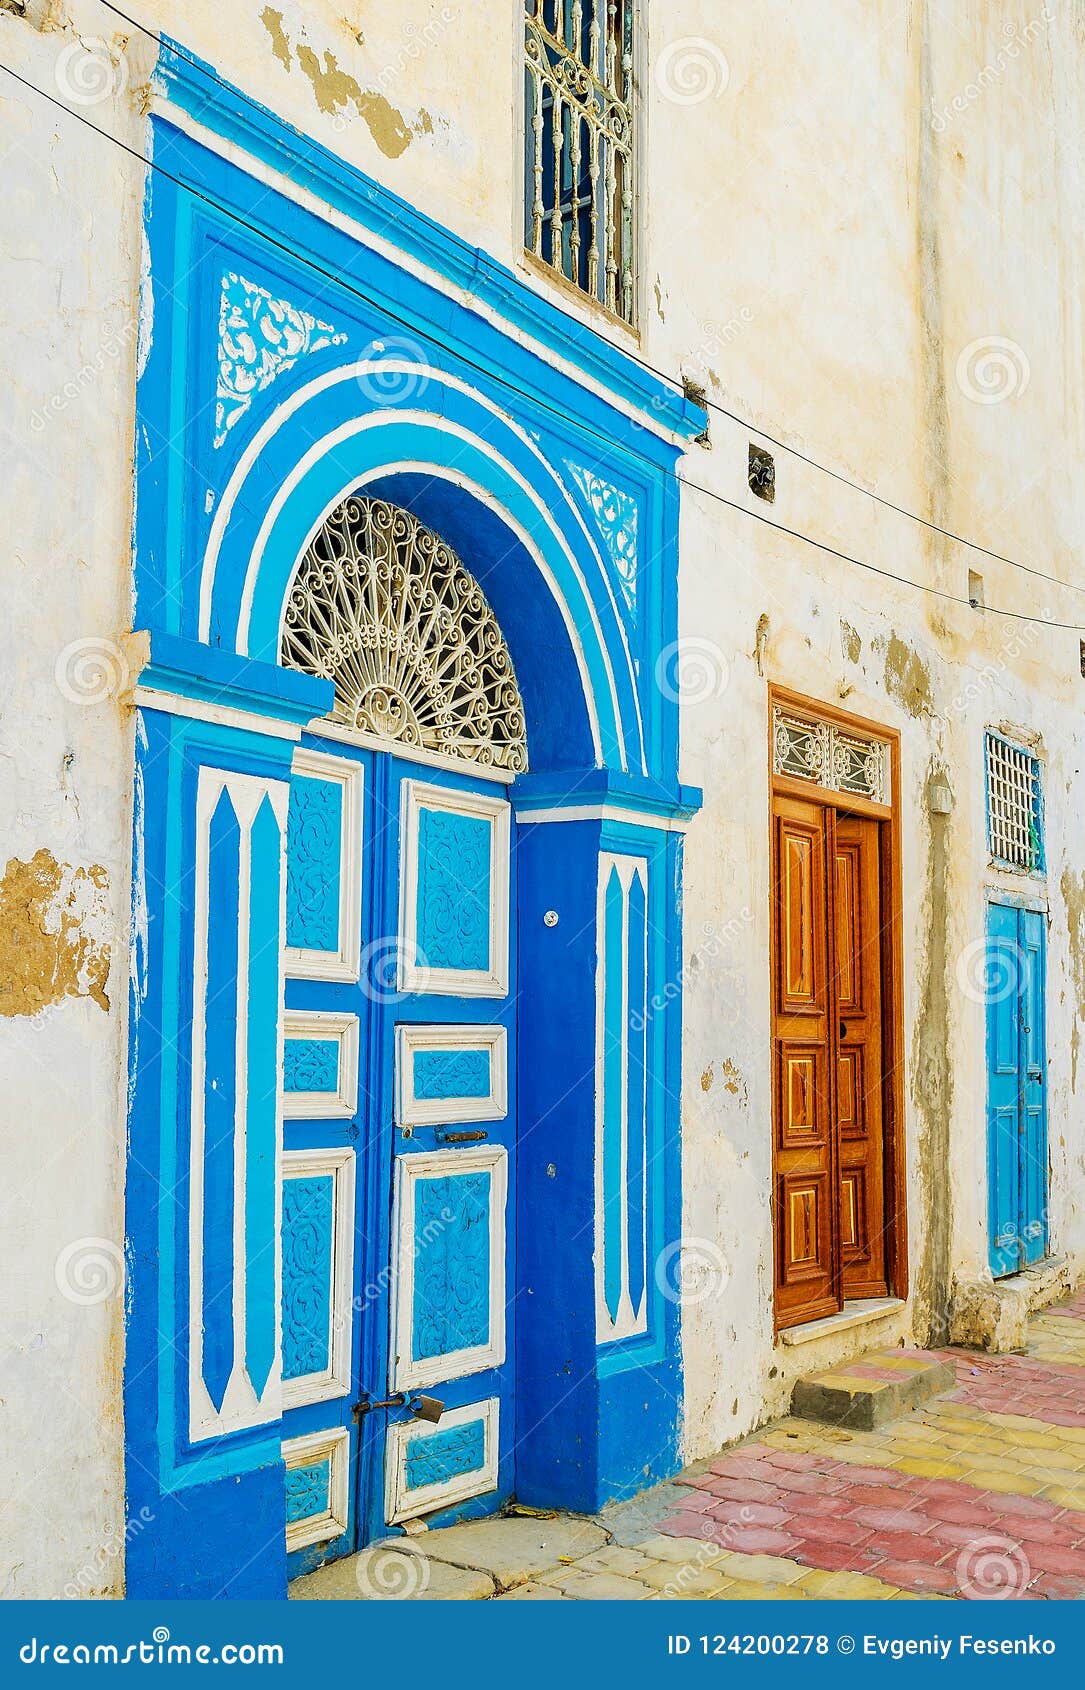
<point>981,1494</point>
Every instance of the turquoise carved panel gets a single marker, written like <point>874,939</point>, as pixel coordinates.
<point>442,1456</point>
<point>308,1221</point>
<point>442,1074</point>
<point>308,1490</point>
<point>311,1065</point>
<point>451,1308</point>
<point>313,867</point>
<point>453,913</point>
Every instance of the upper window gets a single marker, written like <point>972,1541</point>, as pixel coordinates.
<point>578,167</point>
<point>1014,806</point>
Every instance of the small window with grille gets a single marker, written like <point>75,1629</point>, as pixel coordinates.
<point>578,168</point>
<point>1014,806</point>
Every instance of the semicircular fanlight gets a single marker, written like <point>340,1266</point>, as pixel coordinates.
<point>384,609</point>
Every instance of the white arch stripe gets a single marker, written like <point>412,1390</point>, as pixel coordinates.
<point>352,372</point>
<point>406,467</point>
<point>378,419</point>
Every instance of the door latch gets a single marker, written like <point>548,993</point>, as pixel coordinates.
<point>421,1407</point>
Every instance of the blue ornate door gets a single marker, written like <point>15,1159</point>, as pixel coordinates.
<point>1016,1087</point>
<point>397,1071</point>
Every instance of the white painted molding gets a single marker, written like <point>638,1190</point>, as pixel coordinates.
<point>306,1452</point>
<point>414,975</point>
<point>412,1111</point>
<point>321,726</point>
<point>335,1381</point>
<point>630,1321</point>
<point>203,710</point>
<point>342,1104</point>
<point>240,1408</point>
<point>405,1373</point>
<point>607,813</point>
<point>343,964</point>
<point>403,1504</point>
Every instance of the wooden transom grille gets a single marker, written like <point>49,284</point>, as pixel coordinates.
<point>1014,835</point>
<point>579,132</point>
<point>827,755</point>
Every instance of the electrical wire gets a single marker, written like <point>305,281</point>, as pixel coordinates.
<point>678,382</point>
<point>338,281</point>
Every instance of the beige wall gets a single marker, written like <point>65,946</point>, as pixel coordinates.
<point>827,241</point>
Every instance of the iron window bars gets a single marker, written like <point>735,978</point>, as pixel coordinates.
<point>1014,806</point>
<point>578,200</point>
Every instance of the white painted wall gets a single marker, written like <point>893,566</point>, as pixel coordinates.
<point>821,247</point>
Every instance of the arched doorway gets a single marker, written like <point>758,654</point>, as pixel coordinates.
<point>399,1061</point>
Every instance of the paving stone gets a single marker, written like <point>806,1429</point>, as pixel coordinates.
<point>615,1558</point>
<point>680,1549</point>
<point>598,1587</point>
<point>913,1575</point>
<point>515,1549</point>
<point>762,1569</point>
<point>391,1574</point>
<point>751,1590</point>
<point>680,1581</point>
<point>757,1540</point>
<point>846,1587</point>
<point>530,1593</point>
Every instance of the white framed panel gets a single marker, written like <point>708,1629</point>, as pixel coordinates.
<point>237,1401</point>
<point>622,1163</point>
<point>457,1042</point>
<point>458,1458</point>
<point>333,1380</point>
<point>429,1249</point>
<point>316,1455</point>
<point>341,962</point>
<point>321,1027</point>
<point>442,878</point>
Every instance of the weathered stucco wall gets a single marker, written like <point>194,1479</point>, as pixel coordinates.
<point>70,262</point>
<point>858,232</point>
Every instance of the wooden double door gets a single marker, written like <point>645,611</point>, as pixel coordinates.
<point>832,1108</point>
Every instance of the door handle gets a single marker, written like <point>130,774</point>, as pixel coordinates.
<point>421,1407</point>
<point>843,1031</point>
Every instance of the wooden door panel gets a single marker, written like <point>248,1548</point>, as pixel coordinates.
<point>806,1255</point>
<point>803,1115</point>
<point>858,951</point>
<point>804,1160</point>
<point>801,913</point>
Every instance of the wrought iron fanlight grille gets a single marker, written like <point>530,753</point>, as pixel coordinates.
<point>384,609</point>
<point>830,756</point>
<point>579,132</point>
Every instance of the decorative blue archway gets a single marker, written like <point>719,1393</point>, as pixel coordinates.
<point>284,364</point>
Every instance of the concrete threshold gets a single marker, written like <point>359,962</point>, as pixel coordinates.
<point>859,1312</point>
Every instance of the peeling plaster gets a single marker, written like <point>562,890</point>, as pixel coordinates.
<point>733,1081</point>
<point>334,89</point>
<point>907,678</point>
<point>850,643</point>
<point>1072,887</point>
<point>932,1086</point>
<point>53,918</point>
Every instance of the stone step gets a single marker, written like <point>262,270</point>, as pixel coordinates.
<point>873,1390</point>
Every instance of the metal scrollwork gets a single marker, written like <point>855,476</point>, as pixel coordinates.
<point>382,607</point>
